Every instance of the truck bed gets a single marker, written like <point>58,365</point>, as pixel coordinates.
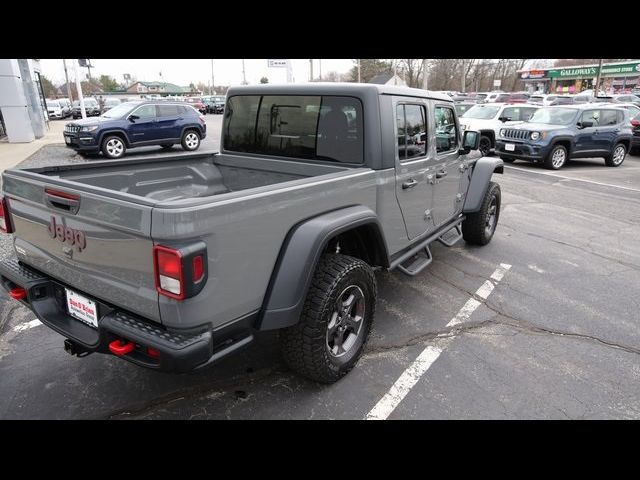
<point>183,177</point>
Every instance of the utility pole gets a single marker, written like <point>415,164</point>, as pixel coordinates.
<point>244,77</point>
<point>311,69</point>
<point>425,74</point>
<point>358,70</point>
<point>464,76</point>
<point>79,89</point>
<point>320,61</point>
<point>289,72</point>
<point>597,91</point>
<point>395,71</point>
<point>212,83</point>
<point>66,76</point>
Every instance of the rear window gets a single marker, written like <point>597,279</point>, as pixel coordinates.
<point>312,127</point>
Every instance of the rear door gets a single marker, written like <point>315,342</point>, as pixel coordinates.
<point>447,196</point>
<point>609,129</point>
<point>415,169</point>
<point>98,245</point>
<point>144,128</point>
<point>168,121</point>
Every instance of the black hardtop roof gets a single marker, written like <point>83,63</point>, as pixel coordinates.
<point>334,88</point>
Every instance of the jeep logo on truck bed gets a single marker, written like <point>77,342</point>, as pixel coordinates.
<point>67,235</point>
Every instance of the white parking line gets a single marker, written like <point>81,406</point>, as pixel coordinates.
<point>430,354</point>
<point>27,325</point>
<point>571,178</point>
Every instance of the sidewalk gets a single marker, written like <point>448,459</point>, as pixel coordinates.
<point>12,154</point>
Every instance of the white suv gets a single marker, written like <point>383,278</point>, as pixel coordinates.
<point>489,118</point>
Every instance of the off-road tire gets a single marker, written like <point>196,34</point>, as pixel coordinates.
<point>108,148</point>
<point>610,161</point>
<point>305,345</point>
<point>186,140</point>
<point>475,227</point>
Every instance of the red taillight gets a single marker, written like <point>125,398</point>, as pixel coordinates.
<point>198,268</point>
<point>5,219</point>
<point>169,273</point>
<point>635,123</point>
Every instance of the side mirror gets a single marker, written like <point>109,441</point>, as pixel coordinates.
<point>582,125</point>
<point>470,141</point>
<point>133,118</point>
<point>504,119</point>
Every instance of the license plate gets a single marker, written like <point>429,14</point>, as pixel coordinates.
<point>82,308</point>
<point>510,147</point>
<point>67,139</point>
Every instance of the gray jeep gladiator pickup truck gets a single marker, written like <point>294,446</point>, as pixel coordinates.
<point>176,261</point>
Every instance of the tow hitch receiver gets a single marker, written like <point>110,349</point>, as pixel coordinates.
<point>121,347</point>
<point>73,348</point>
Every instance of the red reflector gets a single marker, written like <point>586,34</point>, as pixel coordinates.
<point>18,293</point>
<point>59,193</point>
<point>121,347</point>
<point>5,220</point>
<point>198,268</point>
<point>152,352</point>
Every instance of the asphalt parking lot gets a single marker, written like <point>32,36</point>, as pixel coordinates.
<point>542,323</point>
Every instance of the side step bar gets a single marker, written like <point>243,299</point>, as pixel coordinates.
<point>417,258</point>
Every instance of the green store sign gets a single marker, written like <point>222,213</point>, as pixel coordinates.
<point>622,69</point>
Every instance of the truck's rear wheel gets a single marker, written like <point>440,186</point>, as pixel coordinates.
<point>617,156</point>
<point>336,320</point>
<point>478,228</point>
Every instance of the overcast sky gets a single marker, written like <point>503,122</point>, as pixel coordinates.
<point>184,72</point>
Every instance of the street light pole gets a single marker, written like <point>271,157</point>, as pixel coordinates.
<point>66,76</point>
<point>79,89</point>
<point>311,69</point>
<point>320,67</point>
<point>212,83</point>
<point>244,77</point>
<point>358,70</point>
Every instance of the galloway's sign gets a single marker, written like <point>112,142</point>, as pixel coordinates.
<point>590,72</point>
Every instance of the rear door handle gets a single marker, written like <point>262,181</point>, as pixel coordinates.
<point>412,182</point>
<point>441,173</point>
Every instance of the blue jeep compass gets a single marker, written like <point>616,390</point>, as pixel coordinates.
<point>137,124</point>
<point>555,134</point>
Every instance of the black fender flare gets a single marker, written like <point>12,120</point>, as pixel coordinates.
<point>114,130</point>
<point>192,127</point>
<point>298,258</point>
<point>480,177</point>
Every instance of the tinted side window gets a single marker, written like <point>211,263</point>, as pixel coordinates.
<point>146,112</point>
<point>525,113</point>
<point>620,117</point>
<point>240,119</point>
<point>446,130</point>
<point>608,117</point>
<point>168,110</point>
<point>402,151</point>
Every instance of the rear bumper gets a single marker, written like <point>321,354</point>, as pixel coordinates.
<point>524,151</point>
<point>179,351</point>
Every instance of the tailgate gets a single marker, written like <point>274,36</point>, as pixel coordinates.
<point>97,244</point>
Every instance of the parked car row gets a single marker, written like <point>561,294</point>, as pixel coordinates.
<point>58,108</point>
